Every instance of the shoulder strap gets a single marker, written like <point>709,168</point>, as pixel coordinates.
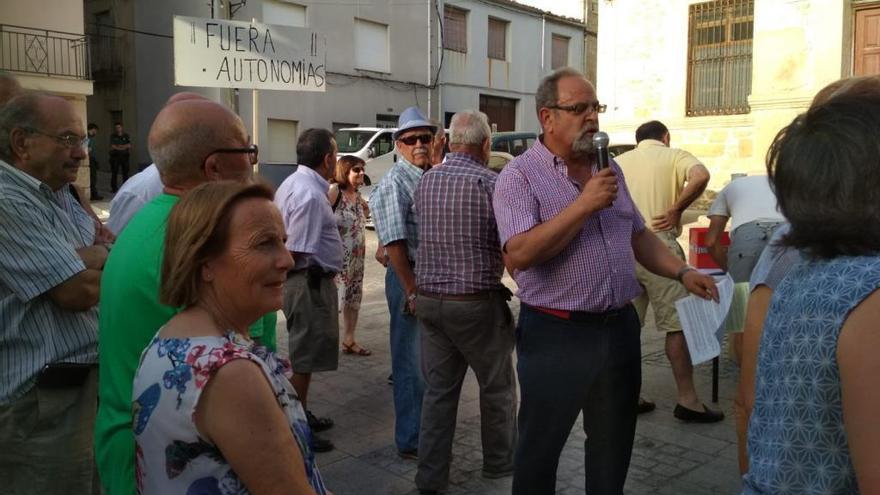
<point>338,197</point>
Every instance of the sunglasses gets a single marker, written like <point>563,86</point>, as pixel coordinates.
<point>357,170</point>
<point>421,138</point>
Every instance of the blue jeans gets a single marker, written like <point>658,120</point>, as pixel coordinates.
<point>409,386</point>
<point>566,367</point>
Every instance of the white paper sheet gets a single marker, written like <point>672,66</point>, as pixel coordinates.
<point>703,321</point>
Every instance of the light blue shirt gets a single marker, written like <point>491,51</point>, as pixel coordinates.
<point>38,242</point>
<point>391,205</point>
<point>137,191</point>
<point>309,220</point>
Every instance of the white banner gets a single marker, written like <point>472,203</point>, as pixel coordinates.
<point>230,54</point>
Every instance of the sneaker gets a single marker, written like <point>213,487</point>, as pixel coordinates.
<point>690,416</point>
<point>318,424</point>
<point>320,444</point>
<point>412,455</point>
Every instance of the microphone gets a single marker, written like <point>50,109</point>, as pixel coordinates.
<point>600,144</point>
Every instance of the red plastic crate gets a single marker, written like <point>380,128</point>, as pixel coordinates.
<point>698,253</point>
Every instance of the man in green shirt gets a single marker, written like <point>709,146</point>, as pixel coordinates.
<point>192,142</point>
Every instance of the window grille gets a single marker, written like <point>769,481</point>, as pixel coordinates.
<point>720,57</point>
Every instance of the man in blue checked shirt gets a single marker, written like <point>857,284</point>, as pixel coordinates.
<point>391,205</point>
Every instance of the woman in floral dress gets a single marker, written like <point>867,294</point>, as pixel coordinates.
<point>351,212</point>
<point>212,412</point>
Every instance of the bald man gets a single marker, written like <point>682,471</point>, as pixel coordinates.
<point>143,186</point>
<point>191,142</point>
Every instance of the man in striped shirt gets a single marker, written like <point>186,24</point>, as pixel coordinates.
<point>572,235</point>
<point>462,306</point>
<point>49,281</point>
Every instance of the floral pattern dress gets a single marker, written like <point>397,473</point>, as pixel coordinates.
<point>170,455</point>
<point>351,220</point>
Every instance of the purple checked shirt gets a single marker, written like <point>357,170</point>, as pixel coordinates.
<point>596,272</point>
<point>458,252</point>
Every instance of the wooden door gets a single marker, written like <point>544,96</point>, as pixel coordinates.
<point>500,111</point>
<point>867,42</point>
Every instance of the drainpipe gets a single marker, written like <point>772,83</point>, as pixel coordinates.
<point>543,41</point>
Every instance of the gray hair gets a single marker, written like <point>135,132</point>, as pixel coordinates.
<point>469,127</point>
<point>180,155</point>
<point>21,112</point>
<point>547,93</point>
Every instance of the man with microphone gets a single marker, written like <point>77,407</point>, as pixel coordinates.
<point>572,235</point>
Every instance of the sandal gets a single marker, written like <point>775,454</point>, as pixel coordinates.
<point>350,349</point>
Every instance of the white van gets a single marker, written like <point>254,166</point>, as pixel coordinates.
<point>373,145</point>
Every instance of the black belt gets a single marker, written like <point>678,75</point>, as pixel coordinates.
<point>584,316</point>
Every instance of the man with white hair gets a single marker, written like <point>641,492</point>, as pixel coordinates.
<point>462,306</point>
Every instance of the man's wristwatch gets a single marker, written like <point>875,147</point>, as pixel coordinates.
<point>680,274</point>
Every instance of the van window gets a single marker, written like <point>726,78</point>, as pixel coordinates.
<point>350,141</point>
<point>382,144</point>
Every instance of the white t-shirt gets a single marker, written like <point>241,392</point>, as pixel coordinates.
<point>745,200</point>
<point>137,191</point>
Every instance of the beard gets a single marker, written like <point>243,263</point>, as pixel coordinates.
<point>583,144</point>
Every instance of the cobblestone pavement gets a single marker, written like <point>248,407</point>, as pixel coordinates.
<point>669,457</point>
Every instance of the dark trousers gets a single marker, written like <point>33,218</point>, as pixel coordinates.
<point>455,335</point>
<point>567,367</point>
<point>118,161</point>
<point>93,176</point>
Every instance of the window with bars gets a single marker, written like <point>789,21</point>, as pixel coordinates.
<point>559,52</point>
<point>454,29</point>
<point>497,46</point>
<point>720,57</point>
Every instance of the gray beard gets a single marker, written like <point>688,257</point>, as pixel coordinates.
<point>583,145</point>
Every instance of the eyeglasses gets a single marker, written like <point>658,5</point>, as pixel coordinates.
<point>357,170</point>
<point>422,138</point>
<point>70,141</point>
<point>253,152</point>
<point>580,108</point>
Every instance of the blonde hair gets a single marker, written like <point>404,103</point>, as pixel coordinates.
<point>197,232</point>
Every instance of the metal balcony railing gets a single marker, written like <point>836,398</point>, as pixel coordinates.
<point>39,51</point>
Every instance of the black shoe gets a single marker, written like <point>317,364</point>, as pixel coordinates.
<point>412,455</point>
<point>495,474</point>
<point>690,416</point>
<point>320,444</point>
<point>645,406</point>
<point>318,424</point>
